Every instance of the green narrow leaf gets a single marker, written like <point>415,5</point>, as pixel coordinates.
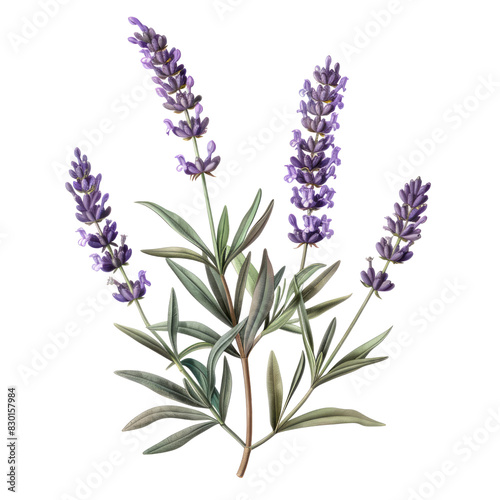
<point>262,301</point>
<point>252,272</point>
<point>199,370</point>
<point>319,309</point>
<point>246,222</point>
<point>215,282</point>
<point>289,327</point>
<point>219,347</point>
<point>315,286</point>
<point>225,390</point>
<point>301,277</point>
<point>201,332</point>
<point>178,224</point>
<point>347,367</point>
<point>319,362</point>
<point>159,412</point>
<point>145,340</point>
<point>240,285</point>
<point>190,349</point>
<point>277,300</point>
<point>363,350</point>
<point>306,332</point>
<point>178,253</point>
<point>253,234</point>
<point>160,385</point>
<point>173,319</point>
<point>194,394</point>
<point>329,416</point>
<point>327,338</point>
<point>198,290</point>
<point>179,438</point>
<point>281,320</point>
<point>223,231</point>
<point>296,378</point>
<point>278,276</point>
<point>274,390</point>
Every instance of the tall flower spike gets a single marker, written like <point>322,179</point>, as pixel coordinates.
<point>175,86</point>
<point>91,212</point>
<point>317,156</point>
<point>405,227</point>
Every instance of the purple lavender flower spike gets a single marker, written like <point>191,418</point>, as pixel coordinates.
<point>138,288</point>
<point>378,281</point>
<point>91,212</point>
<point>405,227</point>
<point>312,165</point>
<point>175,86</point>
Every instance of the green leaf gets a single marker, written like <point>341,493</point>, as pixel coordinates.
<point>199,370</point>
<point>145,340</point>
<point>363,350</point>
<point>278,276</point>
<point>253,234</point>
<point>301,277</point>
<point>225,390</point>
<point>289,327</point>
<point>274,390</point>
<point>159,412</point>
<point>327,338</point>
<point>179,438</point>
<point>223,231</point>
<point>319,309</point>
<point>199,291</point>
<point>315,286</point>
<point>296,378</point>
<point>215,282</point>
<point>329,416</point>
<point>347,367</point>
<point>219,347</point>
<point>178,224</point>
<point>262,301</point>
<point>281,320</point>
<point>304,320</point>
<point>199,331</point>
<point>173,320</point>
<point>190,349</point>
<point>191,391</point>
<point>241,284</point>
<point>160,385</point>
<point>178,253</point>
<point>252,272</point>
<point>306,332</point>
<point>246,222</point>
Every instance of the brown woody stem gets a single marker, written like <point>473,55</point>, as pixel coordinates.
<point>246,380</point>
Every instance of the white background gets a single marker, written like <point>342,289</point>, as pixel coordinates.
<point>417,104</point>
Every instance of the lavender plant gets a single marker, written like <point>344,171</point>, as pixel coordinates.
<point>274,305</point>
